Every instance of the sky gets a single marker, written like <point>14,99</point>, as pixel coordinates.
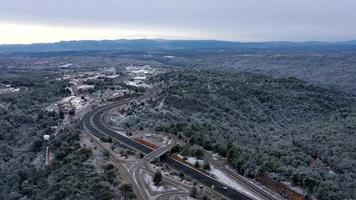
<point>33,21</point>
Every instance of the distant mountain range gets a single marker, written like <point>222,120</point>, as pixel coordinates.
<point>146,44</point>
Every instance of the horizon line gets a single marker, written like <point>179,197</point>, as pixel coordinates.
<point>180,39</point>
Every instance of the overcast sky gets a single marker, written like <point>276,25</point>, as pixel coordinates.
<point>26,21</point>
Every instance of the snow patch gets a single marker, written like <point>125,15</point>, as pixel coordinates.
<point>152,186</point>
<point>223,178</point>
<point>170,57</point>
<point>85,87</point>
<point>193,160</point>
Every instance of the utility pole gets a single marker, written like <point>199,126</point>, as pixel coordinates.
<point>48,159</point>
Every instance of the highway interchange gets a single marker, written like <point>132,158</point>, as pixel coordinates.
<point>93,121</point>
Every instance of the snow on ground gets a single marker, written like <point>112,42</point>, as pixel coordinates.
<point>85,87</point>
<point>152,186</point>
<point>140,71</point>
<point>160,106</point>
<point>66,77</point>
<point>9,90</point>
<point>137,83</point>
<point>294,188</point>
<point>77,103</point>
<point>165,140</point>
<point>72,102</point>
<point>193,160</point>
<point>222,177</point>
<point>112,76</point>
<point>66,65</point>
<point>148,135</point>
<point>139,78</point>
<point>129,157</point>
<point>52,107</point>
<point>215,156</point>
<point>118,93</point>
<point>66,99</point>
<point>95,76</point>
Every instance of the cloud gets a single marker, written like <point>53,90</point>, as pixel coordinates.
<point>244,20</point>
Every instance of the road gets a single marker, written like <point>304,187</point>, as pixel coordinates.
<point>137,167</point>
<point>167,195</point>
<point>240,179</point>
<point>93,121</point>
<point>118,162</point>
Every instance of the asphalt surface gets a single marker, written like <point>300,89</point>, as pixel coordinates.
<point>93,121</point>
<point>167,195</point>
<point>136,168</point>
<point>240,179</point>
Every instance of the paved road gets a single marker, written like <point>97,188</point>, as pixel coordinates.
<point>137,168</point>
<point>124,172</point>
<point>169,195</point>
<point>240,179</point>
<point>88,122</point>
<point>180,185</point>
<point>93,121</point>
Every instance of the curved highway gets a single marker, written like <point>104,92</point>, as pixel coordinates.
<point>136,168</point>
<point>94,123</point>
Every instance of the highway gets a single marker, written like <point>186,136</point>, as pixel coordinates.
<point>240,179</point>
<point>137,167</point>
<point>93,121</point>
<point>135,170</point>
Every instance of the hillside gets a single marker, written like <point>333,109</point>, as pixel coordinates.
<point>282,128</point>
<point>23,123</point>
<point>322,68</point>
<point>159,44</point>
